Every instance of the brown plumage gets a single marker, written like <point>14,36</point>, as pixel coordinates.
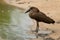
<point>39,16</point>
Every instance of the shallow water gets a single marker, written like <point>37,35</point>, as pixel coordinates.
<point>14,24</point>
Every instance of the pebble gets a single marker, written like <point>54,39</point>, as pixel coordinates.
<point>49,39</point>
<point>43,35</point>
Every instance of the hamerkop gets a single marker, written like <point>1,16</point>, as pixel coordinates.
<point>39,16</point>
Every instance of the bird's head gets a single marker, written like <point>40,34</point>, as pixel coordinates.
<point>32,9</point>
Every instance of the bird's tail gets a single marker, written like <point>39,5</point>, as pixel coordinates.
<point>49,20</point>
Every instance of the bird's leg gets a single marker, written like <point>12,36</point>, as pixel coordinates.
<point>37,28</point>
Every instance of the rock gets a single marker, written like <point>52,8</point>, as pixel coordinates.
<point>49,39</point>
<point>43,35</point>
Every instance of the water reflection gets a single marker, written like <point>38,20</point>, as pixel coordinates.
<point>14,24</point>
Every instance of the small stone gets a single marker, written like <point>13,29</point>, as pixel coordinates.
<point>43,35</point>
<point>49,39</point>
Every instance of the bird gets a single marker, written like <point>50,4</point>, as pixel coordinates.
<point>39,16</point>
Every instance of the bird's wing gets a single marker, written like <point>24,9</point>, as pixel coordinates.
<point>44,18</point>
<point>41,15</point>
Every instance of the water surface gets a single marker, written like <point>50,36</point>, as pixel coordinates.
<point>14,23</point>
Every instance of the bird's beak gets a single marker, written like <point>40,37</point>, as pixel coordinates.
<point>27,11</point>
